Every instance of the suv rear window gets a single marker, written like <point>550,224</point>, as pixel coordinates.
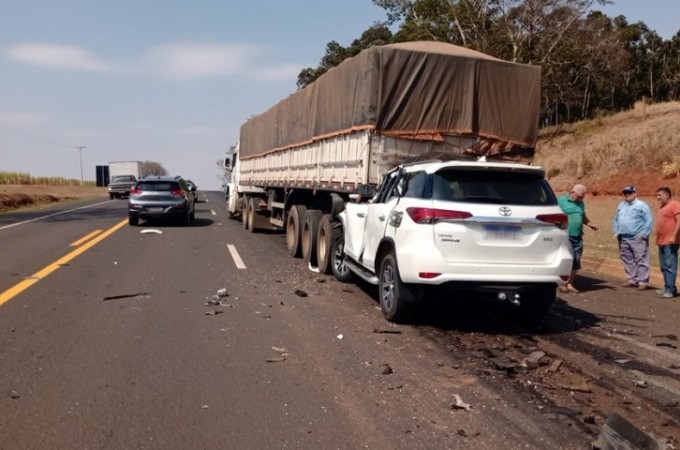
<point>158,186</point>
<point>488,186</point>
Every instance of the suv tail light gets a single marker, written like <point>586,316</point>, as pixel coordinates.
<point>559,220</point>
<point>430,215</point>
<point>177,193</point>
<point>135,191</point>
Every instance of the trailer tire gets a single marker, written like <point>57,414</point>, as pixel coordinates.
<point>244,216</point>
<point>294,222</point>
<point>252,208</point>
<point>326,236</point>
<point>310,230</point>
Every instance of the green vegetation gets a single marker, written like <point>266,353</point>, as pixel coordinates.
<point>28,180</point>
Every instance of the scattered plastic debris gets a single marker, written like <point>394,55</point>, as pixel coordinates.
<point>276,359</point>
<point>279,349</point>
<point>460,404</point>
<point>13,394</point>
<point>340,336</point>
<point>151,231</point>
<point>213,313</point>
<point>222,293</point>
<point>623,361</point>
<point>640,383</point>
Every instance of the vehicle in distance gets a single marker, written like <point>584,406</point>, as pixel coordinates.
<point>491,228</point>
<point>121,185</point>
<point>161,197</point>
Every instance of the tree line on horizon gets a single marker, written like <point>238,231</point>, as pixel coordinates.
<point>591,64</point>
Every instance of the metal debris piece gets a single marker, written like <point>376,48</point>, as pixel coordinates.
<point>379,331</point>
<point>213,313</point>
<point>620,434</point>
<point>387,370</point>
<point>623,361</point>
<point>222,293</point>
<point>13,394</point>
<point>118,297</point>
<point>300,293</point>
<point>460,404</point>
<point>151,231</point>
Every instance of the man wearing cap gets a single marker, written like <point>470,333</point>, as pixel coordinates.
<point>632,225</point>
<point>667,238</point>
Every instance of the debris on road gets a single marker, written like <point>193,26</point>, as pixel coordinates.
<point>222,293</point>
<point>670,337</point>
<point>340,336</point>
<point>276,359</point>
<point>300,293</point>
<point>213,313</point>
<point>151,231</point>
<point>640,383</point>
<point>13,394</point>
<point>555,366</point>
<point>313,268</point>
<point>387,370</point>
<point>622,361</point>
<point>460,404</point>
<point>666,344</point>
<point>379,331</point>
<point>279,349</point>
<point>619,433</point>
<point>118,297</point>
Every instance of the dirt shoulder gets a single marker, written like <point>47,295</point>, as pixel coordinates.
<point>13,197</point>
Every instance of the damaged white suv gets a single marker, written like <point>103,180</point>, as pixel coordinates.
<point>488,227</point>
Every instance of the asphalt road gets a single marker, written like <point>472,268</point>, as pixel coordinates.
<point>110,343</point>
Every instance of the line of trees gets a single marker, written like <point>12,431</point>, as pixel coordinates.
<point>591,63</point>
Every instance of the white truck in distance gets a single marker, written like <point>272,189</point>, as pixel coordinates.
<point>422,121</point>
<point>123,175</point>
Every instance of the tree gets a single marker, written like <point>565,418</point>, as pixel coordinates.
<point>152,168</point>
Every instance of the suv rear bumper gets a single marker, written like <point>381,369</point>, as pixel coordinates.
<point>415,260</point>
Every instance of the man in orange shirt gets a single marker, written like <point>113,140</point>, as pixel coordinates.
<point>667,238</point>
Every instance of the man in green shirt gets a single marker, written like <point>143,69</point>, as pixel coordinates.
<point>572,205</point>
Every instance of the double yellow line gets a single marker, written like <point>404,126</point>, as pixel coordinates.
<point>30,281</point>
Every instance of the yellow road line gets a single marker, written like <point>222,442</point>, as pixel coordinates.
<point>86,238</point>
<point>25,284</point>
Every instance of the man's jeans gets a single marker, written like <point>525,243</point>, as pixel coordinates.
<point>668,261</point>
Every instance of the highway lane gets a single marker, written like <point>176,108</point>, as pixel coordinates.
<point>118,349</point>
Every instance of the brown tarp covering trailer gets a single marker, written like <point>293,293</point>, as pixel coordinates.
<point>413,90</point>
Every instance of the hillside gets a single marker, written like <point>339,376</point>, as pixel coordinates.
<point>641,146</point>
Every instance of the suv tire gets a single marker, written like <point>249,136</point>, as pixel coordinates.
<point>396,298</point>
<point>337,257</point>
<point>133,220</point>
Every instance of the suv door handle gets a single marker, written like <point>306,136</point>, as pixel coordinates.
<point>381,218</point>
<point>360,214</point>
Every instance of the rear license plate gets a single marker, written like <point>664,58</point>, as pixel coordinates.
<point>501,232</point>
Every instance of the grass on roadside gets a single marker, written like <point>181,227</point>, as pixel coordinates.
<point>26,179</point>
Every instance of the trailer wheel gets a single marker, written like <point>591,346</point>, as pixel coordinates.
<point>252,208</point>
<point>294,229</point>
<point>309,235</point>
<point>244,216</point>
<point>326,236</point>
<point>337,256</point>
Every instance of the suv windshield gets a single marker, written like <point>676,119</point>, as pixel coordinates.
<point>502,187</point>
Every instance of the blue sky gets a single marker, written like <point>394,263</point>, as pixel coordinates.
<point>169,80</point>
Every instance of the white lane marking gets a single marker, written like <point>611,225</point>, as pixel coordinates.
<point>52,215</point>
<point>212,211</point>
<point>237,258</point>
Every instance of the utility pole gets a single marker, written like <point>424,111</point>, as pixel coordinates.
<point>80,153</point>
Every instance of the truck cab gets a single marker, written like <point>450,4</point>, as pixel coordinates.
<point>121,185</point>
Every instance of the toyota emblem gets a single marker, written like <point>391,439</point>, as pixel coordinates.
<point>505,211</point>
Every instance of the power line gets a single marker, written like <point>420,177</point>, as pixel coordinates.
<point>38,138</point>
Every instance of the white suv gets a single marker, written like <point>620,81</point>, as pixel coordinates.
<point>492,228</point>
